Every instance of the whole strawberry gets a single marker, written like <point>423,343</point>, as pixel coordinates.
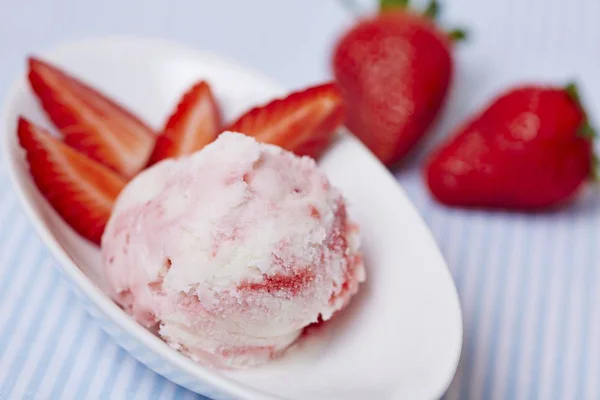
<point>394,70</point>
<point>530,149</point>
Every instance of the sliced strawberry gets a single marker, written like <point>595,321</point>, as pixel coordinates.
<point>194,124</point>
<point>81,190</point>
<point>90,122</point>
<point>304,122</point>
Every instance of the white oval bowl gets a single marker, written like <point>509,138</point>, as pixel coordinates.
<point>401,336</point>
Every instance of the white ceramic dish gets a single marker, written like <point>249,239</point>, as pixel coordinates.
<point>399,339</point>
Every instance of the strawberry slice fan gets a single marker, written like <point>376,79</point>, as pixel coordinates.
<point>102,145</point>
<point>394,70</point>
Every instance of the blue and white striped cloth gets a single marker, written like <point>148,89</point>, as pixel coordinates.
<point>50,348</point>
<point>529,284</point>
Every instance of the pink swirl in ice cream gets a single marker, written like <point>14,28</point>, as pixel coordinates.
<point>231,252</point>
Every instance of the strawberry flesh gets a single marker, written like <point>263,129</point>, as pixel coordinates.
<point>90,122</point>
<point>81,190</point>
<point>194,124</point>
<point>304,122</point>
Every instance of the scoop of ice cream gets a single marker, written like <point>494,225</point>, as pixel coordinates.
<point>229,253</point>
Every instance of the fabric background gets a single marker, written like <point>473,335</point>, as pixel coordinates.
<point>529,284</point>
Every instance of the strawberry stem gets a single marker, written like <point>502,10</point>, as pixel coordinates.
<point>433,10</point>
<point>390,5</point>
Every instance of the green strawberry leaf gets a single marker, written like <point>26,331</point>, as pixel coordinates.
<point>433,10</point>
<point>389,5</point>
<point>457,35</point>
<point>572,90</point>
<point>586,130</point>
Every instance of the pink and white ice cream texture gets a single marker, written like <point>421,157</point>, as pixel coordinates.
<point>228,254</point>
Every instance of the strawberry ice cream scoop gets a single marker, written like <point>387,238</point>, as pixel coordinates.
<point>231,252</point>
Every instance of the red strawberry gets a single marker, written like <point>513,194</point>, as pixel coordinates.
<point>531,148</point>
<point>194,124</point>
<point>81,190</point>
<point>394,70</point>
<point>90,122</point>
<point>304,122</point>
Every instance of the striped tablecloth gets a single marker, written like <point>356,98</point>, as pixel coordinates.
<point>529,284</point>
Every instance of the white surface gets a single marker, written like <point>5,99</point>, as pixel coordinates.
<point>402,333</point>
